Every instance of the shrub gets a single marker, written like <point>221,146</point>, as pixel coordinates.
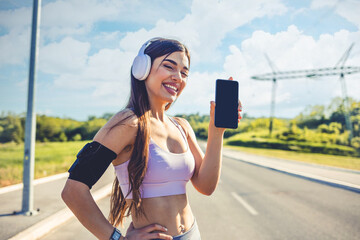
<point>355,142</point>
<point>76,137</point>
<point>62,137</point>
<point>293,146</point>
<point>201,132</point>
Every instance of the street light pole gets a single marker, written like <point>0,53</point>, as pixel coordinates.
<point>30,124</point>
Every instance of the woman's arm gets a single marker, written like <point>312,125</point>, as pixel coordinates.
<point>208,165</point>
<point>78,198</point>
<point>205,180</point>
<point>76,194</point>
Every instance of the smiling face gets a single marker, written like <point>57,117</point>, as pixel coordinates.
<point>167,78</point>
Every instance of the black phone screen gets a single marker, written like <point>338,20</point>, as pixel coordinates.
<point>226,103</point>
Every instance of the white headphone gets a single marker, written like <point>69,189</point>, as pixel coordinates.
<point>142,62</point>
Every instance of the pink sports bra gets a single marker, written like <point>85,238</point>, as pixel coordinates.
<point>167,173</point>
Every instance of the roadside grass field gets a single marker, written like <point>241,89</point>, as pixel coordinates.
<point>314,158</point>
<point>56,157</point>
<point>50,158</point>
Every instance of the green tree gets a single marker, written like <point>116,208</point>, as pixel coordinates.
<point>76,137</point>
<point>107,116</point>
<point>311,117</point>
<point>11,128</point>
<point>62,137</point>
<point>92,117</point>
<point>90,128</point>
<point>335,128</point>
<point>47,128</point>
<point>323,128</point>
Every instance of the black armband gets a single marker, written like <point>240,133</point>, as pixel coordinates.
<point>91,163</point>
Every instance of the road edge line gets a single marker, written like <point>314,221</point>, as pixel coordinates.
<point>46,225</point>
<point>312,177</point>
<point>18,186</point>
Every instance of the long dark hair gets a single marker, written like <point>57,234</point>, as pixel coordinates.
<point>139,104</point>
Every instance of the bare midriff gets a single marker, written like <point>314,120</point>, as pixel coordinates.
<point>172,212</point>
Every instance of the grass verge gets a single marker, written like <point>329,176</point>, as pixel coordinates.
<point>315,158</point>
<point>56,157</point>
<point>50,158</point>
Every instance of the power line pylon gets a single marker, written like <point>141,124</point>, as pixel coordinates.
<point>340,70</point>
<point>347,108</point>
<point>275,70</point>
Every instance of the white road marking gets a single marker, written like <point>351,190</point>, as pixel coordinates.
<point>36,182</point>
<point>44,226</point>
<point>244,203</point>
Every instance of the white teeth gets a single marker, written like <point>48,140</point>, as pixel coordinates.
<point>172,87</point>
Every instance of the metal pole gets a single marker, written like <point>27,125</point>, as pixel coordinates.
<point>30,124</point>
<point>272,110</point>
<point>347,108</point>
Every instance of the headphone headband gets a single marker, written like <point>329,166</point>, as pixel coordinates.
<point>146,44</point>
<point>142,62</point>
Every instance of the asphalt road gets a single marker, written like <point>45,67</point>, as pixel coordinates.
<point>252,202</point>
<point>47,198</point>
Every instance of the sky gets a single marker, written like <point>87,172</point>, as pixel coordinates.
<point>87,47</point>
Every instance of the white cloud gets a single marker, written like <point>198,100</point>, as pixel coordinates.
<point>202,30</point>
<point>109,64</point>
<point>16,19</point>
<point>206,26</point>
<point>348,9</point>
<point>102,74</point>
<point>71,18</point>
<point>236,64</point>
<point>15,47</point>
<point>323,3</point>
<point>67,56</point>
<point>290,50</point>
<point>63,16</point>
<point>106,73</point>
<point>75,17</point>
<point>22,84</point>
<point>108,36</point>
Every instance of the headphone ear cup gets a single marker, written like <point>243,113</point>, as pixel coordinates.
<point>141,66</point>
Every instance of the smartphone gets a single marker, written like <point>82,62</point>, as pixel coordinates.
<point>226,103</point>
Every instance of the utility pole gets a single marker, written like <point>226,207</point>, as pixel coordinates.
<point>30,124</point>
<point>347,107</point>
<point>272,110</point>
<point>273,93</point>
<point>338,70</point>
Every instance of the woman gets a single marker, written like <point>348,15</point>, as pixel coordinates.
<point>154,155</point>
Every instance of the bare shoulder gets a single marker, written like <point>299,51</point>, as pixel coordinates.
<point>125,117</point>
<point>192,140</point>
<point>185,125</point>
<point>119,131</point>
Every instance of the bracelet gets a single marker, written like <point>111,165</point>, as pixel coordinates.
<point>116,235</point>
